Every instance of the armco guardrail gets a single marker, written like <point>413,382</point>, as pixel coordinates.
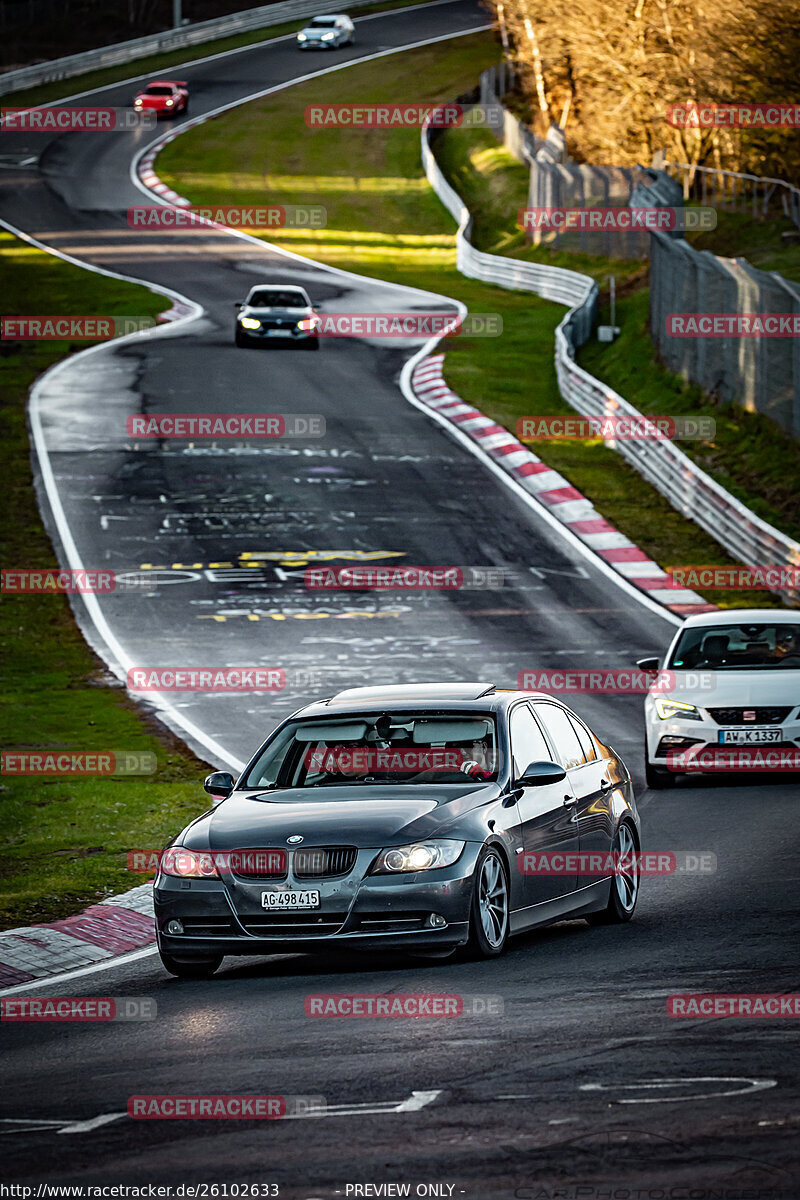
<point>737,191</point>
<point>688,489</point>
<point>158,43</point>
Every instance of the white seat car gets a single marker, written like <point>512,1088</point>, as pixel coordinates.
<point>327,33</point>
<point>733,681</point>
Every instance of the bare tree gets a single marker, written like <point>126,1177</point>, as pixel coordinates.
<point>614,68</point>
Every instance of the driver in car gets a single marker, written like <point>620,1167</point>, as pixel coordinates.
<point>480,764</point>
<point>786,644</point>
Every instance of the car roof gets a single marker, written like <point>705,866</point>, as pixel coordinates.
<point>425,697</point>
<point>163,83</point>
<point>742,616</point>
<point>277,287</point>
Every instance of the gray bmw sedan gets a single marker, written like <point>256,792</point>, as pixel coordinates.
<point>422,818</point>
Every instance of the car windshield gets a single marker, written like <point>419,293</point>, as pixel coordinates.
<point>155,90</point>
<point>730,647</point>
<point>323,23</point>
<point>267,298</point>
<point>431,748</point>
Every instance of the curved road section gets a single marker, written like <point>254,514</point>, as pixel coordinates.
<point>223,526</point>
<point>583,1079</point>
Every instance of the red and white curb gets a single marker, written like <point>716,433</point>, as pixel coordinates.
<point>149,178</point>
<point>549,488</point>
<point>148,175</point>
<point>102,931</point>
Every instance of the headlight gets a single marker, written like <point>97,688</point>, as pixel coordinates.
<point>301,37</point>
<point>137,104</point>
<point>676,708</point>
<point>327,37</point>
<point>250,323</point>
<point>308,323</point>
<point>170,103</point>
<point>420,856</point>
<point>188,864</point>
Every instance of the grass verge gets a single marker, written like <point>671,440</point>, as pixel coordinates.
<point>65,840</point>
<point>384,221</point>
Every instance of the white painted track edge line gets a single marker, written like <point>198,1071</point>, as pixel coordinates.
<point>196,62</point>
<point>47,981</point>
<point>534,505</point>
<point>68,545</point>
<point>118,660</point>
<point>164,138</point>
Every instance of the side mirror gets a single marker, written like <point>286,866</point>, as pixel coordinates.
<point>239,303</point>
<point>540,773</point>
<point>647,664</point>
<point>219,784</point>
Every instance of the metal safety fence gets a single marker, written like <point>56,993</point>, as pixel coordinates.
<point>688,489</point>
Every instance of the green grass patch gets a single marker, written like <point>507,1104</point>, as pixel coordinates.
<point>758,239</point>
<point>64,841</point>
<point>158,64</point>
<point>384,221</point>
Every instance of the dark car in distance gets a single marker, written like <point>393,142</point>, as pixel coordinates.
<point>402,818</point>
<point>276,314</point>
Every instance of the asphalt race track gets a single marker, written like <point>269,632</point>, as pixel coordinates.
<point>583,1080</point>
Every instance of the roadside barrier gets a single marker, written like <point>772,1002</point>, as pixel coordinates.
<point>689,489</point>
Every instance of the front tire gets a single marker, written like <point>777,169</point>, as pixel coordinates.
<point>624,885</point>
<point>489,909</point>
<point>311,344</point>
<point>657,778</point>
<point>202,968</point>
<point>241,340</point>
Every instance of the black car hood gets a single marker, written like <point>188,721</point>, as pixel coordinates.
<point>372,815</point>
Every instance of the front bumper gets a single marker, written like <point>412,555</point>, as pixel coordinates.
<point>676,737</point>
<point>280,337</point>
<point>356,913</point>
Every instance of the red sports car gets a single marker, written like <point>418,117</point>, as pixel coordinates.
<point>164,97</point>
